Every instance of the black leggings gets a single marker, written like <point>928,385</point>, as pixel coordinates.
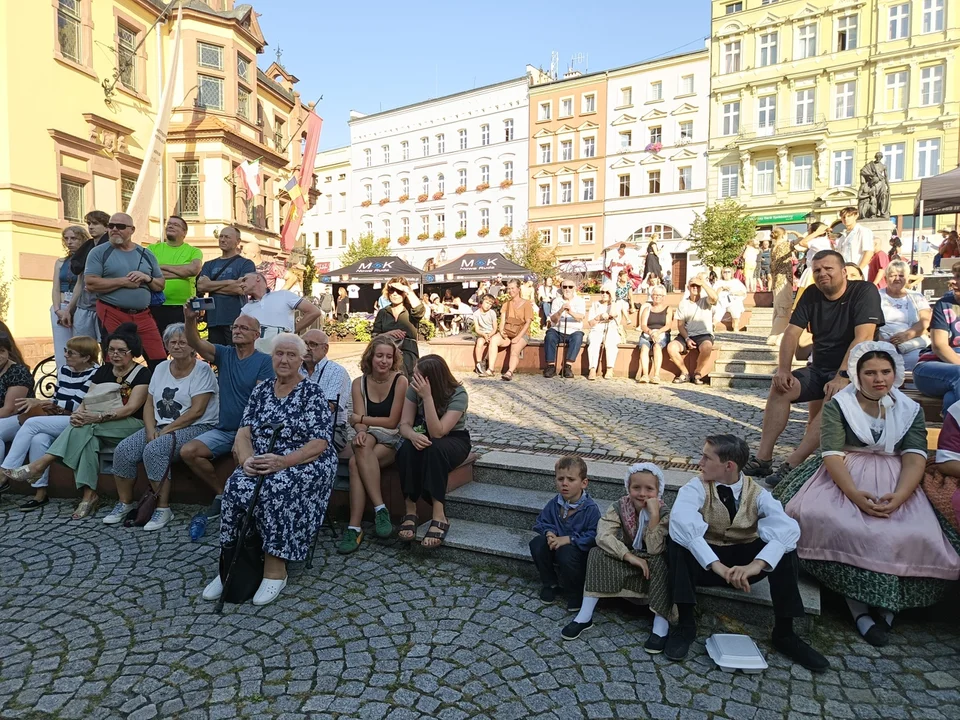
<point>423,473</point>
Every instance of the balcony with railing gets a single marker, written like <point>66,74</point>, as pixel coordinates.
<point>791,127</point>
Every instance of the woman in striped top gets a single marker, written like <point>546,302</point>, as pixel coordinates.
<point>38,433</point>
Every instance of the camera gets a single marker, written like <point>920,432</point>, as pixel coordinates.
<point>199,304</point>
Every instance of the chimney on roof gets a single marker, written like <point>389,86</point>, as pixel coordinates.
<point>571,73</point>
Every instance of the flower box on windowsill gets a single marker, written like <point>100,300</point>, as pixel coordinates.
<point>483,186</point>
<point>483,232</point>
<point>423,236</point>
<point>654,147</point>
<point>366,203</point>
<point>461,189</point>
<point>384,201</point>
<point>439,235</point>
<point>460,234</point>
<point>403,198</point>
<point>403,240</point>
<point>506,231</point>
<point>505,184</point>
<point>438,196</point>
<point>423,197</point>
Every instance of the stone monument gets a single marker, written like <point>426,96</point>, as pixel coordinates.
<point>873,198</point>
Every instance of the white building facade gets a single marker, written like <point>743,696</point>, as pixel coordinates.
<point>656,167</point>
<point>442,177</point>
<point>327,224</point>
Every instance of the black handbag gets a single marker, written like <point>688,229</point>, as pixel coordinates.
<point>247,572</point>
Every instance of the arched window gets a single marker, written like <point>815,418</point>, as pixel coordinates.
<point>663,232</point>
<point>441,184</point>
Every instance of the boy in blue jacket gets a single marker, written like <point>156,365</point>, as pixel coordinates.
<point>566,530</point>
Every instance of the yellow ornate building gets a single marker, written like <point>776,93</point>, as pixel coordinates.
<point>805,92</point>
<point>80,82</point>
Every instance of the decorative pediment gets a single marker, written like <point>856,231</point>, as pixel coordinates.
<point>653,159</point>
<point>624,120</point>
<point>683,155</point>
<point>587,168</point>
<point>110,135</point>
<point>622,163</point>
<point>543,133</point>
<point>685,109</point>
<point>770,20</point>
<point>839,193</point>
<point>654,114</point>
<point>731,28</point>
<point>542,174</point>
<point>566,171</point>
<point>565,129</point>
<point>807,12</point>
<point>588,126</point>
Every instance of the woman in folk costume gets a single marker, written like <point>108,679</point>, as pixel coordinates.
<point>867,530</point>
<point>629,560</point>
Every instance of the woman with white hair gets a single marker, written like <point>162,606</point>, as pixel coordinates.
<point>607,319</point>
<point>182,403</point>
<point>298,472</point>
<point>906,314</point>
<point>629,560</point>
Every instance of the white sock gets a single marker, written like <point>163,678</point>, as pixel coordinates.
<point>887,615</point>
<point>861,614</point>
<point>378,508</point>
<point>660,625</point>
<point>586,610</point>
<point>354,527</point>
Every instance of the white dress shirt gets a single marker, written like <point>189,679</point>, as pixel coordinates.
<point>566,323</point>
<point>333,380</point>
<point>687,527</point>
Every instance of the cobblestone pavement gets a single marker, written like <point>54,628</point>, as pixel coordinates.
<point>102,622</point>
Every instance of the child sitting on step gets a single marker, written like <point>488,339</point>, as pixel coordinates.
<point>629,560</point>
<point>566,530</point>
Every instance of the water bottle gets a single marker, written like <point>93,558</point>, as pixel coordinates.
<point>198,527</point>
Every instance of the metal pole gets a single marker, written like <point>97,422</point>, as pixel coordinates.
<point>162,195</point>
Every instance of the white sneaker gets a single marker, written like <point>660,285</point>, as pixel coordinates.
<point>214,590</point>
<point>160,517</point>
<point>268,591</point>
<point>118,513</point>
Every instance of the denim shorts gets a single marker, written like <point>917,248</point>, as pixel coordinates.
<point>646,341</point>
<point>218,442</point>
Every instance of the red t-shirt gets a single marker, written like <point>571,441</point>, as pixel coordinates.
<point>877,263</point>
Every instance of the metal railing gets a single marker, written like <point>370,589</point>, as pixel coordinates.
<point>784,127</point>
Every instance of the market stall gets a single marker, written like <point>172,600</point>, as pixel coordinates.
<point>364,279</point>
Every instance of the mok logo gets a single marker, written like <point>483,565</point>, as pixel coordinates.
<point>486,263</point>
<point>375,266</point>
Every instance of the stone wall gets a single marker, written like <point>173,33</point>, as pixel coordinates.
<point>35,349</point>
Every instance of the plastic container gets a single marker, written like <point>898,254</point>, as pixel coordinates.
<point>736,652</point>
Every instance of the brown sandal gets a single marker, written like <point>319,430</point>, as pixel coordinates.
<point>408,523</point>
<point>434,535</point>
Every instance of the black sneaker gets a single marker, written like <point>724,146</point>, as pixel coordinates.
<point>550,371</point>
<point>33,504</point>
<point>573,629</point>
<point>679,642</point>
<point>758,468</point>
<point>800,652</point>
<point>548,594</point>
<point>574,604</point>
<point>567,370</point>
<point>655,644</point>
<point>780,475</point>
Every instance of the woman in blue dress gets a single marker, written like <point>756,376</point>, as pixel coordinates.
<point>299,472</point>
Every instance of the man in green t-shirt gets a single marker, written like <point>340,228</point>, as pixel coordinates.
<point>180,264</point>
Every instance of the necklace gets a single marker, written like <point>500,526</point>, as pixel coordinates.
<point>379,382</point>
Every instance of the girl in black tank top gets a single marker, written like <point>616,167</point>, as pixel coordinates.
<point>382,408</point>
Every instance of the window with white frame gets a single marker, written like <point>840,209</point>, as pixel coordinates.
<point>441,223</point>
<point>425,145</point>
<point>425,185</point>
<point>589,147</point>
<point>71,193</point>
<point>842,168</point>
<point>768,47</point>
<point>463,138</point>
<point>806,46</point>
<point>846,100</point>
<point>544,111</point>
<point>897,90</point>
<point>685,178</point>
<point>566,236</point>
<point>209,56</point>
<point>626,139</point>
<point>932,16</point>
<point>405,186</point>
<point>566,107</point>
<point>484,134</point>
<point>405,150</point>
<point>730,121</point>
<point>368,158</point>
<point>368,227</point>
<point>546,153</point>
<point>588,185</point>
<point>804,106</point>
<point>729,180</point>
<point>686,130</point>
<point>686,85</point>
<point>894,156</point>
<point>626,96</point>
<point>508,215</point>
<point>732,8</point>
<point>931,85</point>
<point>484,174</point>
<point>566,150</point>
<point>731,57</point>
<point>763,177</point>
<point>802,172</point>
<point>210,92</point>
<point>386,189</point>
<point>68,29</point>
<point>656,91</point>
<point>405,226</point>
<point>846,32</point>
<point>546,236</point>
<point>368,192</point>
<point>127,55</point>
<point>342,205</point>
<point>386,228</point>
<point>653,182</point>
<point>386,153</point>
<point>898,21</point>
<point>441,183</point>
<point>462,177</point>
<point>566,191</point>
<point>766,114</point>
<point>441,144</point>
<point>656,134</point>
<point>508,130</point>
<point>424,224</point>
<point>586,235</point>
<point>485,218</point>
<point>545,194</point>
<point>928,158</point>
<point>589,103</point>
<point>329,203</point>
<point>624,185</point>
<point>508,170</point>
<point>462,220</point>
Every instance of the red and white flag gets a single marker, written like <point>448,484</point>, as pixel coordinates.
<point>251,178</point>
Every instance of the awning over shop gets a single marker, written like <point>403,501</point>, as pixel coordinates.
<point>478,266</point>
<point>372,270</point>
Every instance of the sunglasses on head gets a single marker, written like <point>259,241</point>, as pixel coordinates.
<point>117,226</point>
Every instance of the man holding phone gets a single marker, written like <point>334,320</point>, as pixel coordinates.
<point>220,280</point>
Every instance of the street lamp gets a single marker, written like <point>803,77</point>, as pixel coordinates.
<point>810,217</point>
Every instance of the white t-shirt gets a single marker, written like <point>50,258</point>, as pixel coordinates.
<point>565,323</point>
<point>697,316</point>
<point>172,397</point>
<point>274,310</point>
<point>900,313</point>
<point>853,244</point>
<point>822,243</point>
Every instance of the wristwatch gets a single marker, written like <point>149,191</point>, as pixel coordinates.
<point>844,374</point>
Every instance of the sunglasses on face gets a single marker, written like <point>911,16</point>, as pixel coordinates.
<point>566,287</point>
<point>117,226</point>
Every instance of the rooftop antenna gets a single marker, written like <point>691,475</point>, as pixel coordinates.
<point>554,65</point>
<point>577,59</point>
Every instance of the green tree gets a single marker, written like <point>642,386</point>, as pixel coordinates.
<point>363,247</point>
<point>527,250</point>
<point>309,274</point>
<point>720,234</point>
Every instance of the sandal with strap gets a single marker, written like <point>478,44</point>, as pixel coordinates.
<point>86,508</point>
<point>408,523</point>
<point>508,375</point>
<point>682,378</point>
<point>434,535</point>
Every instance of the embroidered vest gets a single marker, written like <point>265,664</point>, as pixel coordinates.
<point>743,529</point>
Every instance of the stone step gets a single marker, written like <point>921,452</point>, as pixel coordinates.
<point>750,352</point>
<point>502,505</point>
<point>764,367</point>
<point>719,379</point>
<point>506,549</point>
<point>535,472</point>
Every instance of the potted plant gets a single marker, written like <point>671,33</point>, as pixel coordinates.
<point>439,235</point>
<point>483,232</point>
<point>403,239</point>
<point>505,184</point>
<point>423,236</point>
<point>654,147</point>
<point>461,189</point>
<point>403,198</point>
<point>422,197</point>
<point>384,201</point>
<point>460,234</point>
<point>366,203</point>
<point>438,195</point>
<point>506,231</point>
<point>482,186</point>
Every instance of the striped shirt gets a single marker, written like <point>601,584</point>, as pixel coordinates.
<point>72,386</point>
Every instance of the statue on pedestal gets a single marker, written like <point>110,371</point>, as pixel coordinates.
<point>873,198</point>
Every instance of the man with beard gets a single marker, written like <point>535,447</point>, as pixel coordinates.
<point>180,264</point>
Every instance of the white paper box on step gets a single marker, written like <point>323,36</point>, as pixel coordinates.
<point>736,652</point>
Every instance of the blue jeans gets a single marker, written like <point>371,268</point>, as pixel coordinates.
<point>938,379</point>
<point>553,339</point>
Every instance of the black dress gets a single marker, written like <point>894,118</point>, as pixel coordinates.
<point>408,322</point>
<point>652,265</point>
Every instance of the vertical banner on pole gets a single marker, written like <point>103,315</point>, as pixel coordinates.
<point>299,186</point>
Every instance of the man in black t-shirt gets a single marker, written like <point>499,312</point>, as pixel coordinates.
<point>840,314</point>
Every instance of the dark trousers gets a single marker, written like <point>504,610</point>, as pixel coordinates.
<point>220,334</point>
<point>566,566</point>
<point>165,315</point>
<point>423,473</point>
<point>553,339</point>
<point>686,575</point>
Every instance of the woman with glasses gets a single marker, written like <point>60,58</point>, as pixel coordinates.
<point>182,403</point>
<point>401,320</point>
<point>606,319</point>
<point>52,417</point>
<point>79,445</point>
<point>655,322</point>
<point>64,284</point>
